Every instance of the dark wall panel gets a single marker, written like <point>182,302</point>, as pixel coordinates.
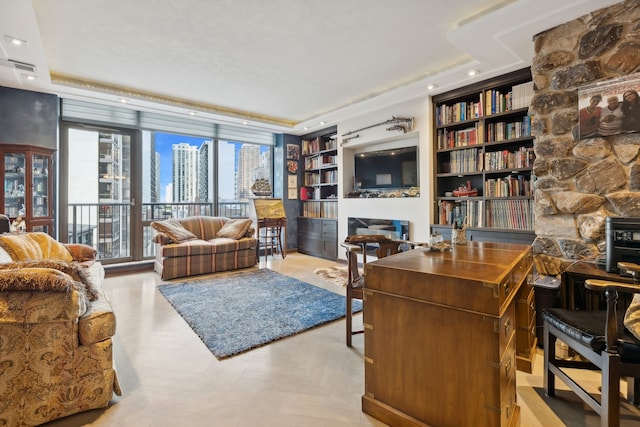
<point>29,118</point>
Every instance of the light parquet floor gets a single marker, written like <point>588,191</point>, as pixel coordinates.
<point>169,378</point>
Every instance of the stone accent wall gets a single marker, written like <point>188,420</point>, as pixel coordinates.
<point>581,182</point>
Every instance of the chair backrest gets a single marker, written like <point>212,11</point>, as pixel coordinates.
<point>5,224</point>
<point>354,272</point>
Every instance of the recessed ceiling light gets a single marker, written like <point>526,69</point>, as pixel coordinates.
<point>472,73</point>
<point>15,41</point>
<point>244,122</point>
<point>124,100</point>
<point>431,87</point>
<point>29,76</point>
<point>306,128</point>
<point>323,122</point>
<point>192,113</point>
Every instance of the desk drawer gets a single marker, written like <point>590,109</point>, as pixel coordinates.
<point>525,306</point>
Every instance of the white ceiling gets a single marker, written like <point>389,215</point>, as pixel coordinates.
<point>281,65</point>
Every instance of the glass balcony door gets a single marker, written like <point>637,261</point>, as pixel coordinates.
<point>98,198</point>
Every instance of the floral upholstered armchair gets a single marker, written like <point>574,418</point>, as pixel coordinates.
<point>56,326</point>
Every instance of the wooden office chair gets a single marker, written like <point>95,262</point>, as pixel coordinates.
<point>355,286</point>
<point>355,244</point>
<point>603,342</point>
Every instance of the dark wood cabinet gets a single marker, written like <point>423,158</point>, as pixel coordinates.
<point>27,176</point>
<point>318,237</point>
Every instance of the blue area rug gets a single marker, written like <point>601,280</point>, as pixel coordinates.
<point>236,312</point>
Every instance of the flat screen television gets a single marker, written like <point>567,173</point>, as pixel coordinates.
<point>387,169</point>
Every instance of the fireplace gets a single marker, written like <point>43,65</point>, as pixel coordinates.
<point>393,228</point>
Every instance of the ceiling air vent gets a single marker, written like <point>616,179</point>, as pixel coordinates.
<point>22,66</point>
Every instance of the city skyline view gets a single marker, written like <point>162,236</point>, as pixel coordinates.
<point>164,143</point>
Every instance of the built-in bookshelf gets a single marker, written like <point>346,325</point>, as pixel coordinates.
<point>319,193</point>
<point>484,156</point>
<point>318,223</point>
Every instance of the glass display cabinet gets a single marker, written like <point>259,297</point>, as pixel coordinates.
<point>27,189</point>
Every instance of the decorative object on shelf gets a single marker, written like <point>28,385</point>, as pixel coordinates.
<point>404,124</point>
<point>458,232</point>
<point>19,224</point>
<point>261,187</point>
<point>465,190</point>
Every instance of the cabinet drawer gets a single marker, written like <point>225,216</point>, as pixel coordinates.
<point>507,371</point>
<point>525,337</point>
<point>330,229</point>
<point>310,226</point>
<point>509,409</point>
<point>507,328</point>
<point>525,306</point>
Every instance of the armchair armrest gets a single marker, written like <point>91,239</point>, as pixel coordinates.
<point>607,285</point>
<point>611,289</point>
<point>81,252</point>
<point>350,247</point>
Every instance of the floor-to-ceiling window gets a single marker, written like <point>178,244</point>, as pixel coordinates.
<point>115,181</point>
<point>98,190</point>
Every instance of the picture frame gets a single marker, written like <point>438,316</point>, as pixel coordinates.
<point>600,115</point>
<point>293,152</point>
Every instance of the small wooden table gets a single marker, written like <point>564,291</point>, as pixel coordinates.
<point>573,285</point>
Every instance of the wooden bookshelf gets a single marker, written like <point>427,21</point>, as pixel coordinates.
<point>318,223</point>
<point>484,158</point>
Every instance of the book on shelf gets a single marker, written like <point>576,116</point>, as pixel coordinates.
<point>518,97</point>
<point>465,161</point>
<point>510,186</point>
<point>458,112</point>
<point>521,158</point>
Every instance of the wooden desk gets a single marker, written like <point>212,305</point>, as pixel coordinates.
<point>440,335</point>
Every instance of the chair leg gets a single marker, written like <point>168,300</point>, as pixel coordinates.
<point>633,390</point>
<point>610,401</point>
<point>549,379</point>
<point>349,317</point>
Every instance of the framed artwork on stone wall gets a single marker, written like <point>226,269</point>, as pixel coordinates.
<point>609,107</point>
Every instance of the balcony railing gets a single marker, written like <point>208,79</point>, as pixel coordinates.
<point>107,226</point>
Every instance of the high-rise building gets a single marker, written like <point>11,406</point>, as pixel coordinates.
<point>249,168</point>
<point>114,192</point>
<point>205,172</point>
<point>185,169</point>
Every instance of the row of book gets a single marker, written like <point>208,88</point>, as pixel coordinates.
<point>464,161</point>
<point>320,209</point>
<point>326,177</point>
<point>495,132</point>
<point>469,212</point>
<point>490,102</point>
<point>474,160</point>
<point>317,162</point>
<point>512,214</point>
<point>459,138</point>
<point>311,146</point>
<point>510,186</point>
<point>458,112</point>
<point>523,157</point>
<point>502,131</point>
